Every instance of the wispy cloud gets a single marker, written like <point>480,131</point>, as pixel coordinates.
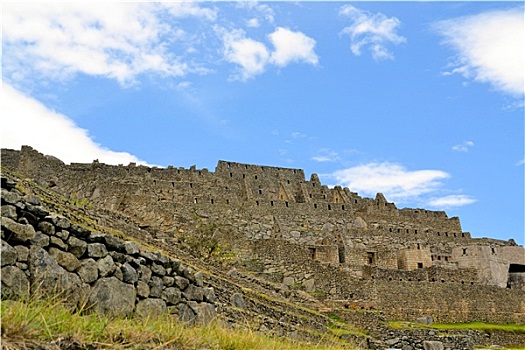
<point>261,12</point>
<point>465,146</point>
<point>326,155</point>
<point>50,132</point>
<point>253,56</point>
<point>520,162</point>
<point>372,31</point>
<point>451,201</point>
<point>489,48</point>
<point>393,180</point>
<point>114,40</point>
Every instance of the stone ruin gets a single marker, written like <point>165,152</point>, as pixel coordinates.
<point>330,242</point>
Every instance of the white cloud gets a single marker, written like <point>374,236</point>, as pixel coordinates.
<point>25,121</point>
<point>465,146</point>
<point>520,162</point>
<point>326,155</point>
<point>113,40</point>
<point>189,9</point>
<point>292,46</point>
<point>253,23</point>
<point>254,57</point>
<point>262,11</point>
<point>374,31</point>
<point>451,201</point>
<point>393,180</point>
<point>489,48</point>
<point>251,55</point>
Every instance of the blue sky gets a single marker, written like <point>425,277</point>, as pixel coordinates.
<point>422,101</point>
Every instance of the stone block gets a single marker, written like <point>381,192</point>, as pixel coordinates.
<point>237,300</point>
<point>64,259</point>
<point>151,307</point>
<point>8,254</point>
<point>113,297</point>
<point>106,266</point>
<point>14,282</point>
<point>9,211</point>
<point>129,274</point>
<point>172,296</point>
<point>16,232</point>
<point>96,250</point>
<point>88,270</point>
<point>432,345</point>
<point>76,246</point>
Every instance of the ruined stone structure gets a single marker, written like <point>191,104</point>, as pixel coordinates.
<point>327,241</point>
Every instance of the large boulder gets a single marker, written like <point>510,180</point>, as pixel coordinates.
<point>151,307</point>
<point>48,277</point>
<point>16,232</point>
<point>14,282</point>
<point>113,297</point>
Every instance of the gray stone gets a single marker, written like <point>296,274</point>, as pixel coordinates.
<point>37,210</point>
<point>88,270</point>
<point>427,320</point>
<point>18,233</point>
<point>118,273</point>
<point>144,273</point>
<point>392,341</point>
<point>47,277</point>
<point>158,269</point>
<point>9,197</point>
<point>181,282</point>
<point>63,234</point>
<point>57,242</point>
<point>105,266</point>
<point>46,227</point>
<point>186,313</point>
<point>172,296</point>
<point>237,301</point>
<point>40,240</point>
<point>155,287</point>
<point>168,281</point>
<point>96,250</point>
<point>432,345</point>
<point>151,307</point>
<point>199,278</point>
<point>32,199</point>
<point>22,253</point>
<point>61,222</point>
<point>9,211</point>
<point>142,289</point>
<point>64,259</point>
<point>113,243</point>
<point>130,248</point>
<point>79,231</point>
<point>77,247</point>
<point>14,282</point>
<point>209,295</point>
<point>194,293</point>
<point>129,275</point>
<point>113,297</point>
<point>205,313</point>
<point>119,257</point>
<point>8,254</point>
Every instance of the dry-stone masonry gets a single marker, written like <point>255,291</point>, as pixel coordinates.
<point>42,254</point>
<point>329,242</point>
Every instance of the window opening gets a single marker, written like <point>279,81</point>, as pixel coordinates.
<point>419,265</point>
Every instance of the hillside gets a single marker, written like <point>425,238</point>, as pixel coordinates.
<point>304,274</point>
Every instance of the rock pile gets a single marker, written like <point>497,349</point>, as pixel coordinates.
<point>43,253</point>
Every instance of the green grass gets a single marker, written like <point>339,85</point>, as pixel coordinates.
<point>33,323</point>
<point>478,326</point>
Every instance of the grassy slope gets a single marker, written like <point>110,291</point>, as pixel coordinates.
<point>48,324</point>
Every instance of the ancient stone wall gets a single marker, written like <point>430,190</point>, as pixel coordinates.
<point>45,253</point>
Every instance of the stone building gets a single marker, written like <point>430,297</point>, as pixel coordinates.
<point>325,240</point>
